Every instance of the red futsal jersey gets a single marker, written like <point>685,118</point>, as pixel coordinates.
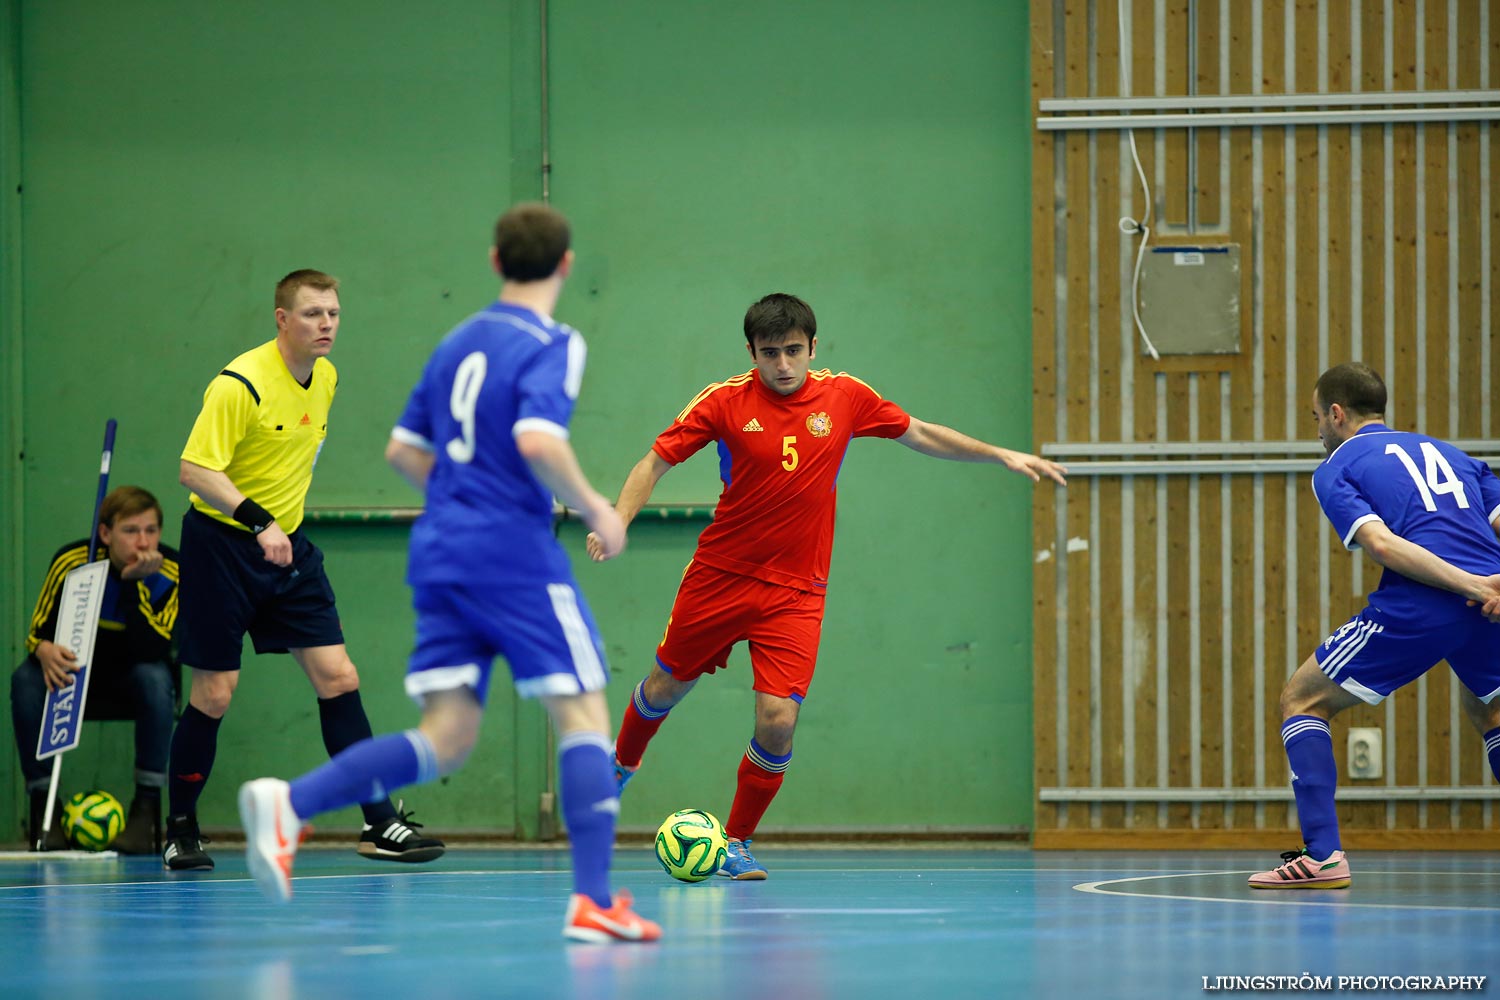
<point>779,458</point>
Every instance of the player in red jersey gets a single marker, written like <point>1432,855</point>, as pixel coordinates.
<point>781,431</point>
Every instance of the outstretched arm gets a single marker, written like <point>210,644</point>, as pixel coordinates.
<point>639,485</point>
<point>553,462</point>
<point>633,496</point>
<point>945,442</point>
<point>1417,563</point>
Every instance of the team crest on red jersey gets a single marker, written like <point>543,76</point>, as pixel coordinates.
<point>819,424</point>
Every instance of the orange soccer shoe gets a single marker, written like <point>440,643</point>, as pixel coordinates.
<point>272,833</point>
<point>588,921</point>
<point>1301,871</point>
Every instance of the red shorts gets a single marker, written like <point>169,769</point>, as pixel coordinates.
<point>714,610</point>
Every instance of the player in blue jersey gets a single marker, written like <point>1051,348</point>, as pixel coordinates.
<point>1429,514</point>
<point>485,437</point>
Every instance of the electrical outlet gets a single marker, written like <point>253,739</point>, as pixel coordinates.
<point>1366,759</point>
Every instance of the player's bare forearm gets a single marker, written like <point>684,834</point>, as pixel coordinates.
<point>552,461</point>
<point>216,489</point>
<point>633,496</point>
<point>640,484</point>
<point>220,493</point>
<point>938,441</point>
<point>413,463</point>
<point>1418,563</point>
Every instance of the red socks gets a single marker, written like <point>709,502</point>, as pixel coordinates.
<point>757,787</point>
<point>640,723</point>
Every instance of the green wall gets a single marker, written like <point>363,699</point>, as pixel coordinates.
<point>870,157</point>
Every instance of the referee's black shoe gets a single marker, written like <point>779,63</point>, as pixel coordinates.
<point>397,839</point>
<point>184,851</point>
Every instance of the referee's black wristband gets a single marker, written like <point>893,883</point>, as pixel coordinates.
<point>253,516</point>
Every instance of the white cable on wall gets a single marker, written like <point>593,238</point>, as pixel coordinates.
<point>1128,225</point>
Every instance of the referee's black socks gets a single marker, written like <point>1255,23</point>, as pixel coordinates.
<point>194,743</point>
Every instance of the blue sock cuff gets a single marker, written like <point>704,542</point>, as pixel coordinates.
<point>647,710</point>
<point>590,803</point>
<point>585,738</point>
<point>761,757</point>
<point>427,761</point>
<point>1300,727</point>
<point>1309,754</point>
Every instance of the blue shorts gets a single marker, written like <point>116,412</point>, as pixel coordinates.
<point>1373,654</point>
<point>545,631</point>
<point>230,589</point>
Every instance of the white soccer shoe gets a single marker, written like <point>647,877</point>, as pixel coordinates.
<point>272,833</point>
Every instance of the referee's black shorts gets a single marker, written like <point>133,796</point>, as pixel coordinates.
<point>228,588</point>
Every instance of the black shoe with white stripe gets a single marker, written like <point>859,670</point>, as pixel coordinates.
<point>184,851</point>
<point>397,839</point>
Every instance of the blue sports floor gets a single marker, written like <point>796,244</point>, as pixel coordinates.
<point>829,923</point>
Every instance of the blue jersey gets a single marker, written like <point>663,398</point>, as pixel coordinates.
<point>1424,490</point>
<point>488,519</point>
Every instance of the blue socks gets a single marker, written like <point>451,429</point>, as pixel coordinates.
<point>590,802</point>
<point>1492,750</point>
<point>366,772</point>
<point>370,769</point>
<point>1309,750</point>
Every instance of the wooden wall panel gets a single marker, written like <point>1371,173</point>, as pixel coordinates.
<point>1176,166</point>
<point>1043,411</point>
<point>1077,318</point>
<point>1239,746</point>
<point>1209,79</point>
<point>1170,609</point>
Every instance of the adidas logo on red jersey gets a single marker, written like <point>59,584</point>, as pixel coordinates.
<point>753,425</point>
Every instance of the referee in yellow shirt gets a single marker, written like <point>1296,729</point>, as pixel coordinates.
<point>249,568</point>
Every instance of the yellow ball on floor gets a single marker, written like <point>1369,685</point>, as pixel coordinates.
<point>690,844</point>
<point>92,820</point>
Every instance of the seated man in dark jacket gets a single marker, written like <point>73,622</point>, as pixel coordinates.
<point>132,672</point>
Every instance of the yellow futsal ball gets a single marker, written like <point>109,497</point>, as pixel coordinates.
<point>691,845</point>
<point>92,820</point>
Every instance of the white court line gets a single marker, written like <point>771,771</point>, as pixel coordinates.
<point>405,873</point>
<point>1094,887</point>
<point>430,873</point>
<point>851,910</point>
<point>62,855</point>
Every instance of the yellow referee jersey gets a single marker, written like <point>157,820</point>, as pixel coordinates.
<point>261,428</point>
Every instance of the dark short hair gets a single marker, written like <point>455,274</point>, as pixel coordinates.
<point>777,315</point>
<point>287,288</point>
<point>127,501</point>
<point>530,241</point>
<point>1356,387</point>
